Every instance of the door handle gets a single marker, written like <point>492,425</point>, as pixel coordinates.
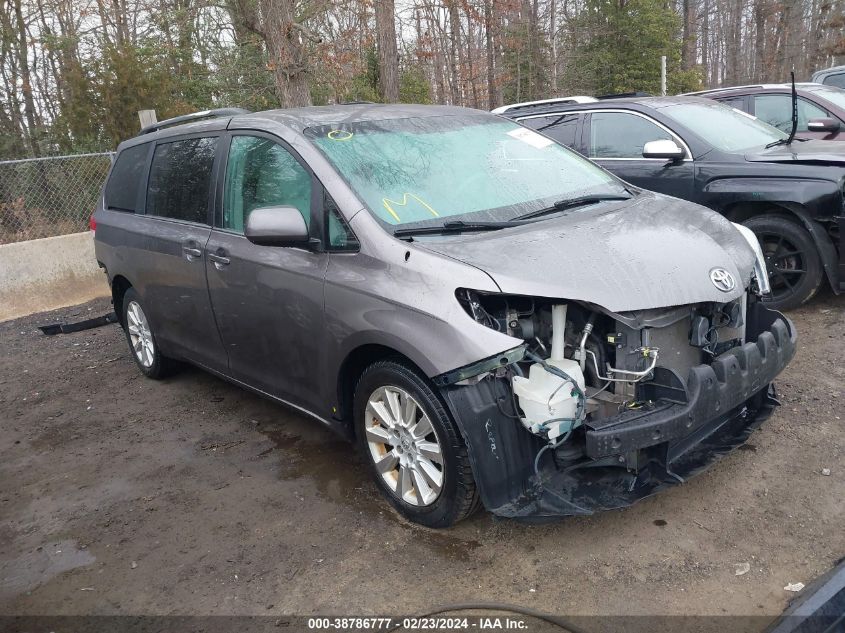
<point>218,260</point>
<point>190,251</point>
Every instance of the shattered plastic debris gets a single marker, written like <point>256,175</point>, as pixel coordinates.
<point>794,586</point>
<point>742,568</point>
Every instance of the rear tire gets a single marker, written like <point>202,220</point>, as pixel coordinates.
<point>418,457</point>
<point>793,262</point>
<point>142,339</point>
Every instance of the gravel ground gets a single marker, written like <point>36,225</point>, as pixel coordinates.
<point>121,495</point>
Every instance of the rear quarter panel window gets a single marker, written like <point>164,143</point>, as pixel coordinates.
<point>180,176</point>
<point>125,179</point>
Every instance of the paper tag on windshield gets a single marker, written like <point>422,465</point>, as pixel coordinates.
<point>531,137</point>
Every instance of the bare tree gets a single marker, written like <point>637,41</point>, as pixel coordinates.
<point>388,58</point>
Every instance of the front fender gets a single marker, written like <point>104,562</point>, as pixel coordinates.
<point>808,199</point>
<point>819,198</point>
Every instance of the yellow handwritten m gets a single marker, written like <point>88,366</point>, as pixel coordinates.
<point>388,204</point>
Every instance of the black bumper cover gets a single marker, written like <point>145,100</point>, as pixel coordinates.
<point>687,428</point>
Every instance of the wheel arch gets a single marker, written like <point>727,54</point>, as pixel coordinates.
<point>353,365</point>
<point>119,286</point>
<point>742,211</point>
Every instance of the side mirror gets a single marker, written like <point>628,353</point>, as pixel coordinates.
<point>823,124</point>
<point>663,148</point>
<point>276,226</point>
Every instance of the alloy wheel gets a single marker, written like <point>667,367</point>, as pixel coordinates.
<point>785,263</point>
<point>140,336</point>
<point>404,446</point>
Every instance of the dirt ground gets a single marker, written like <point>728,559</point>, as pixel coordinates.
<point>121,495</point>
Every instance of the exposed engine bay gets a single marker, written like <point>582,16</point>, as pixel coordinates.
<point>582,363</point>
<point>599,409</point>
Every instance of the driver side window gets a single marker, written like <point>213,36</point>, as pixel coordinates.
<point>261,173</point>
<point>622,135</point>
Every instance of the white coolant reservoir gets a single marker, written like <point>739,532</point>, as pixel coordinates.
<point>544,396</point>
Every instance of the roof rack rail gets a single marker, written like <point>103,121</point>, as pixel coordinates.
<point>195,116</point>
<point>356,102</point>
<point>625,95</point>
<point>556,100</point>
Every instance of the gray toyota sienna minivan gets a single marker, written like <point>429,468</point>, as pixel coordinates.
<point>494,319</point>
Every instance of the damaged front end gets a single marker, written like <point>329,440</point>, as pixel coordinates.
<point>596,410</point>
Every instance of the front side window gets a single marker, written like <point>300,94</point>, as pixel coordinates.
<point>560,127</point>
<point>261,173</point>
<point>722,127</point>
<point>125,179</point>
<point>622,135</point>
<point>776,110</point>
<point>180,177</point>
<point>423,171</point>
<point>341,237</point>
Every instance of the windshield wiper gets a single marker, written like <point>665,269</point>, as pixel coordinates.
<point>453,226</point>
<point>562,205</point>
<point>785,141</point>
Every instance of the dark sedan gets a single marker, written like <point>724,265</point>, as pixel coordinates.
<point>790,195</point>
<point>821,109</point>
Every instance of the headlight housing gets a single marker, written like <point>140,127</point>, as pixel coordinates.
<point>760,271</point>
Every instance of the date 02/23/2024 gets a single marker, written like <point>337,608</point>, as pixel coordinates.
<point>418,623</point>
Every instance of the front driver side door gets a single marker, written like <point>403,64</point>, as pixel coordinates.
<point>615,140</point>
<point>268,300</point>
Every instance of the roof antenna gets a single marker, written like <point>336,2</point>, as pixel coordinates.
<point>794,109</point>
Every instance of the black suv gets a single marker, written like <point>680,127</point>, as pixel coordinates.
<point>790,195</point>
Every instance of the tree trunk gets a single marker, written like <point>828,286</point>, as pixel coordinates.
<point>26,81</point>
<point>286,49</point>
<point>688,43</point>
<point>388,58</point>
<point>455,51</point>
<point>705,42</point>
<point>759,40</point>
<point>491,35</point>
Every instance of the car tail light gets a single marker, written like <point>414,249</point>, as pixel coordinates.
<point>92,223</point>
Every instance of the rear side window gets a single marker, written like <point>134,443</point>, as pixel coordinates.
<point>179,179</point>
<point>561,128</point>
<point>125,179</point>
<point>735,102</point>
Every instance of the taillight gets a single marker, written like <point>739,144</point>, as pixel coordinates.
<point>92,223</point>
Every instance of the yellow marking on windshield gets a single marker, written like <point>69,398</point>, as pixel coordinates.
<point>340,135</point>
<point>387,202</point>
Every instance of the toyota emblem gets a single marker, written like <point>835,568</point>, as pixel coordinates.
<point>722,279</point>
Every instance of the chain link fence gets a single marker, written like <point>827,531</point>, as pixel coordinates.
<point>43,197</point>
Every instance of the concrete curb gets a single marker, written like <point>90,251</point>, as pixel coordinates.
<point>49,273</point>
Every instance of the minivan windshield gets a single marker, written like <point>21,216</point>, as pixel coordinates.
<point>723,127</point>
<point>430,171</point>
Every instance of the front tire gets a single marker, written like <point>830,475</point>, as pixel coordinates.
<point>793,262</point>
<point>415,451</point>
<point>142,340</point>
